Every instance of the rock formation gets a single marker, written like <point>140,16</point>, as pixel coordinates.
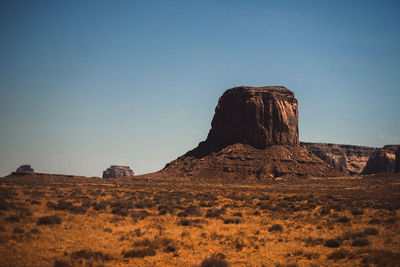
<point>254,134</point>
<point>397,165</point>
<point>24,169</point>
<point>116,171</point>
<point>257,116</point>
<point>350,159</point>
<point>382,160</point>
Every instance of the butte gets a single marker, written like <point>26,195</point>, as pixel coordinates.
<point>254,135</point>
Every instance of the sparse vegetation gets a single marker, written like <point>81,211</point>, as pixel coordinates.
<point>137,223</point>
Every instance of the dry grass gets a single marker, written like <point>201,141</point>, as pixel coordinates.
<point>93,222</point>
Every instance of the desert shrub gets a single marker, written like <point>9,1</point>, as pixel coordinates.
<point>192,211</point>
<point>216,260</point>
<point>162,212</point>
<point>102,205</point>
<point>119,211</point>
<point>343,219</point>
<point>275,228</point>
<point>361,242</point>
<point>12,218</point>
<point>49,220</point>
<point>390,221</point>
<point>182,214</point>
<point>232,221</point>
<point>256,213</point>
<point>340,254</point>
<point>61,263</point>
<point>139,253</point>
<point>189,222</point>
<point>35,202</point>
<point>237,214</point>
<point>145,203</point>
<point>4,205</point>
<point>170,248</point>
<point>214,213</point>
<point>371,231</point>
<point>332,243</point>
<point>357,212</point>
<point>139,214</point>
<point>35,231</point>
<point>18,230</point>
<point>66,206</point>
<point>89,254</point>
<point>380,257</point>
<point>375,221</point>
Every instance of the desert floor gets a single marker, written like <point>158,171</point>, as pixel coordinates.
<point>60,221</point>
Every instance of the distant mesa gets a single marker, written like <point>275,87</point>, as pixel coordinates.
<point>397,165</point>
<point>383,160</point>
<point>116,171</point>
<point>254,134</point>
<point>25,169</point>
<point>349,159</point>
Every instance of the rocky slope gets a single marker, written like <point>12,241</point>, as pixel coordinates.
<point>254,134</point>
<point>382,160</point>
<point>350,159</point>
<point>397,165</point>
<point>116,171</point>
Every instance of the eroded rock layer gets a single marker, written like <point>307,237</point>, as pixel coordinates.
<point>350,159</point>
<point>254,134</point>
<point>382,160</point>
<point>116,171</point>
<point>257,116</point>
<point>240,161</point>
<point>397,165</point>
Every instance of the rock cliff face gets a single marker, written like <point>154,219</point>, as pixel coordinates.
<point>257,116</point>
<point>24,168</point>
<point>349,159</point>
<point>254,134</point>
<point>116,171</point>
<point>397,165</point>
<point>382,160</point>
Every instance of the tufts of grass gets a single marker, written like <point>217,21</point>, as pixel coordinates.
<point>49,220</point>
<point>332,243</point>
<point>340,254</point>
<point>275,228</point>
<point>216,260</point>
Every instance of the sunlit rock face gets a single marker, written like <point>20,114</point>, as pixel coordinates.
<point>116,171</point>
<point>349,159</point>
<point>257,116</point>
<point>253,135</point>
<point>382,160</point>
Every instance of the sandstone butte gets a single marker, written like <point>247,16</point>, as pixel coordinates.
<point>254,134</point>
<point>116,171</point>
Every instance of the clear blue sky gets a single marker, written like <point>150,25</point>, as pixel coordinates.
<point>87,84</point>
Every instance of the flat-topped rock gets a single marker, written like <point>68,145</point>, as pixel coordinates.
<point>254,134</point>
<point>257,116</point>
<point>116,171</point>
<point>24,168</point>
<point>382,160</point>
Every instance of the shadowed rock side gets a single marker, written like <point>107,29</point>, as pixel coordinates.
<point>350,159</point>
<point>254,134</point>
<point>382,160</point>
<point>25,168</point>
<point>240,161</point>
<point>118,172</point>
<point>397,165</point>
<point>257,116</point>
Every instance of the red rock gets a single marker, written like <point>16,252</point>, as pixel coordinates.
<point>116,171</point>
<point>382,160</point>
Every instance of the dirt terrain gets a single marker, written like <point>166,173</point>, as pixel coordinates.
<point>61,221</point>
